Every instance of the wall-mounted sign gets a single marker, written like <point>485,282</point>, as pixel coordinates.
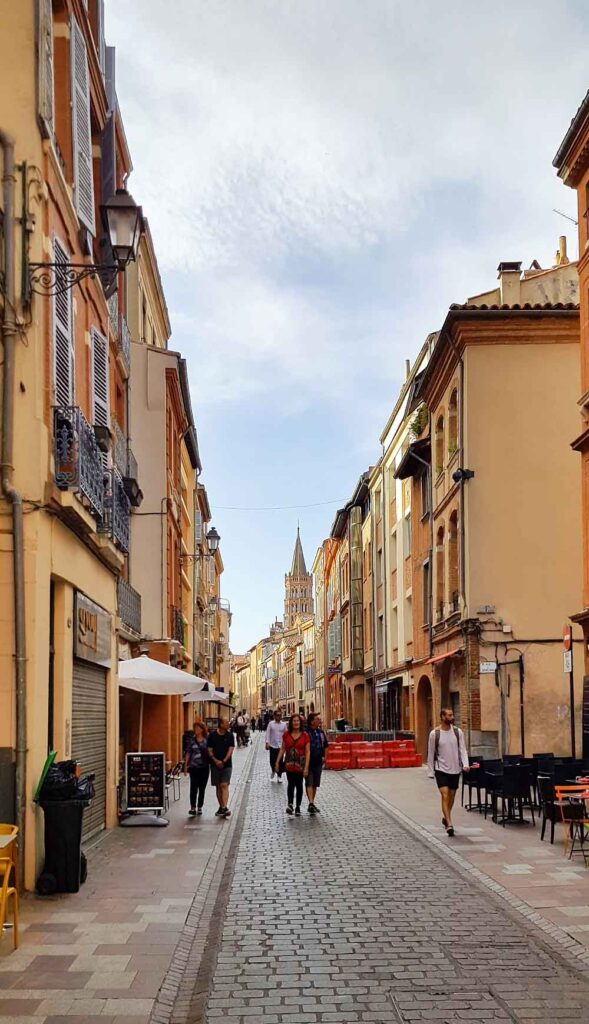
<point>92,631</point>
<point>568,661</point>
<point>488,667</point>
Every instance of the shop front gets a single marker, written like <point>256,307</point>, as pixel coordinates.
<point>92,661</point>
<point>389,695</point>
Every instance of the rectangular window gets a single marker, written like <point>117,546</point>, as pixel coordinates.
<point>426,593</point>
<point>45,100</point>
<point>407,536</point>
<point>425,493</point>
<point>82,137</point>
<point>63,337</point>
<point>100,379</point>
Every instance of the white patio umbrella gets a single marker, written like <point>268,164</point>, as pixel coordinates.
<point>145,675</point>
<point>202,695</point>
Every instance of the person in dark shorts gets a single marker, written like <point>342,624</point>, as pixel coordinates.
<point>295,751</point>
<point>447,757</point>
<point>221,744</point>
<point>319,744</point>
<point>197,764</point>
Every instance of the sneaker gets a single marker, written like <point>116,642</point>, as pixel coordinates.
<point>289,809</point>
<point>226,812</point>
<point>450,830</point>
<point>218,812</point>
<point>279,778</point>
<point>192,812</point>
<point>272,777</point>
<point>312,809</point>
<point>199,810</point>
<point>298,812</point>
<point>316,809</point>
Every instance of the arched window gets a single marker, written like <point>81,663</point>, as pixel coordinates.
<point>439,444</point>
<point>440,575</point>
<point>453,423</point>
<point>453,584</point>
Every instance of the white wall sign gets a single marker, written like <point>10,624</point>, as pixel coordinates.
<point>488,667</point>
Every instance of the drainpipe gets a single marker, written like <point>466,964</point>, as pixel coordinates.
<point>9,330</point>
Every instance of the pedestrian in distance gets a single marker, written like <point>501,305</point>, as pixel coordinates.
<point>240,728</point>
<point>197,764</point>
<point>296,752</point>
<point>318,745</point>
<point>274,733</point>
<point>221,744</point>
<point>447,757</point>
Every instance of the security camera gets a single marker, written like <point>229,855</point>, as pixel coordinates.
<point>462,474</point>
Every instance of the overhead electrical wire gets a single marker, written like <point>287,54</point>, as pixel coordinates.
<point>275,508</point>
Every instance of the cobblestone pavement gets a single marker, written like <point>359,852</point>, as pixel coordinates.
<point>350,917</point>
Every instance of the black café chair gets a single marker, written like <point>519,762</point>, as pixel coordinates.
<point>548,809</point>
<point>474,779</point>
<point>514,791</point>
<point>492,776</point>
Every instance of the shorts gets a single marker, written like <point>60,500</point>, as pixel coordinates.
<point>314,776</point>
<point>445,779</point>
<point>220,775</point>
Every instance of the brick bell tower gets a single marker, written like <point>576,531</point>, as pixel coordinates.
<point>298,588</point>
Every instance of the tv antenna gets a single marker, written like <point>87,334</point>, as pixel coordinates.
<point>566,216</point>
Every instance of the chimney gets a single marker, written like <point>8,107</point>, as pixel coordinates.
<point>509,274</point>
<point>561,255</point>
<point>407,368</point>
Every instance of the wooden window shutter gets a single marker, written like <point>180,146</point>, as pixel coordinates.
<point>45,67</point>
<point>100,381</point>
<point>198,527</point>
<point>82,137</point>
<point>63,340</point>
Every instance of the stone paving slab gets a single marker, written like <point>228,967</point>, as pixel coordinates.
<point>534,872</point>
<point>104,953</point>
<point>352,916</point>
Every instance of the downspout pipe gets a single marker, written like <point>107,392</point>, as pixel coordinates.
<point>9,331</point>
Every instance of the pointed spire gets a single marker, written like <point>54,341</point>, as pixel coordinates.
<point>298,567</point>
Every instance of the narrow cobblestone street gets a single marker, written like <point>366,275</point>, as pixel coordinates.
<point>350,917</point>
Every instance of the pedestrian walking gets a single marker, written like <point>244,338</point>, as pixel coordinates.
<point>274,733</point>
<point>221,744</point>
<point>240,728</point>
<point>295,750</point>
<point>318,745</point>
<point>196,763</point>
<point>447,757</point>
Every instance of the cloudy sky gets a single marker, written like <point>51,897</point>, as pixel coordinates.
<point>322,179</point>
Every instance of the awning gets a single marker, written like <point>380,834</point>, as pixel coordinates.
<point>196,696</point>
<point>147,675</point>
<point>447,654</point>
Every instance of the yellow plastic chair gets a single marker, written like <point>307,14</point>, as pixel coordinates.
<point>8,866</point>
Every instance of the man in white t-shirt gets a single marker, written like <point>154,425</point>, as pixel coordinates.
<point>274,732</point>
<point>447,757</point>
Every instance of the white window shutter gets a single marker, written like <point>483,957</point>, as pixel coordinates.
<point>63,337</point>
<point>198,527</point>
<point>100,381</point>
<point>101,47</point>
<point>82,137</point>
<point>45,66</point>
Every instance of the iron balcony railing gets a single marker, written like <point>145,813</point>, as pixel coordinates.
<point>124,340</point>
<point>129,604</point>
<point>177,626</point>
<point>120,449</point>
<point>113,314</point>
<point>116,511</point>
<point>78,461</point>
<point>455,601</point>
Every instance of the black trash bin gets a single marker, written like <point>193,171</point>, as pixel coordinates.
<point>62,871</point>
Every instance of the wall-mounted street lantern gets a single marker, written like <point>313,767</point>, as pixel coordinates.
<point>123,223</point>
<point>213,540</point>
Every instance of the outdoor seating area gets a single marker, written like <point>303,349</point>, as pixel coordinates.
<point>351,750</point>
<point>524,790</point>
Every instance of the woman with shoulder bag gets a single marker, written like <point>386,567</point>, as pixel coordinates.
<point>197,765</point>
<point>296,752</point>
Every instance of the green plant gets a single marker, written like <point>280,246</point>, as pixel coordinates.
<point>419,421</point>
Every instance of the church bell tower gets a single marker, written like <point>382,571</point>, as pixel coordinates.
<point>298,588</point>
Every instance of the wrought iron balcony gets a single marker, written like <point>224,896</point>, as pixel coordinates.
<point>177,626</point>
<point>78,461</point>
<point>131,481</point>
<point>455,604</point>
<point>113,314</point>
<point>124,339</point>
<point>116,511</point>
<point>120,449</point>
<point>129,604</point>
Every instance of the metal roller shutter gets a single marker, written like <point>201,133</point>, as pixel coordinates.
<point>89,737</point>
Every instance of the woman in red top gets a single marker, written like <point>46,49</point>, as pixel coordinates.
<point>296,751</point>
